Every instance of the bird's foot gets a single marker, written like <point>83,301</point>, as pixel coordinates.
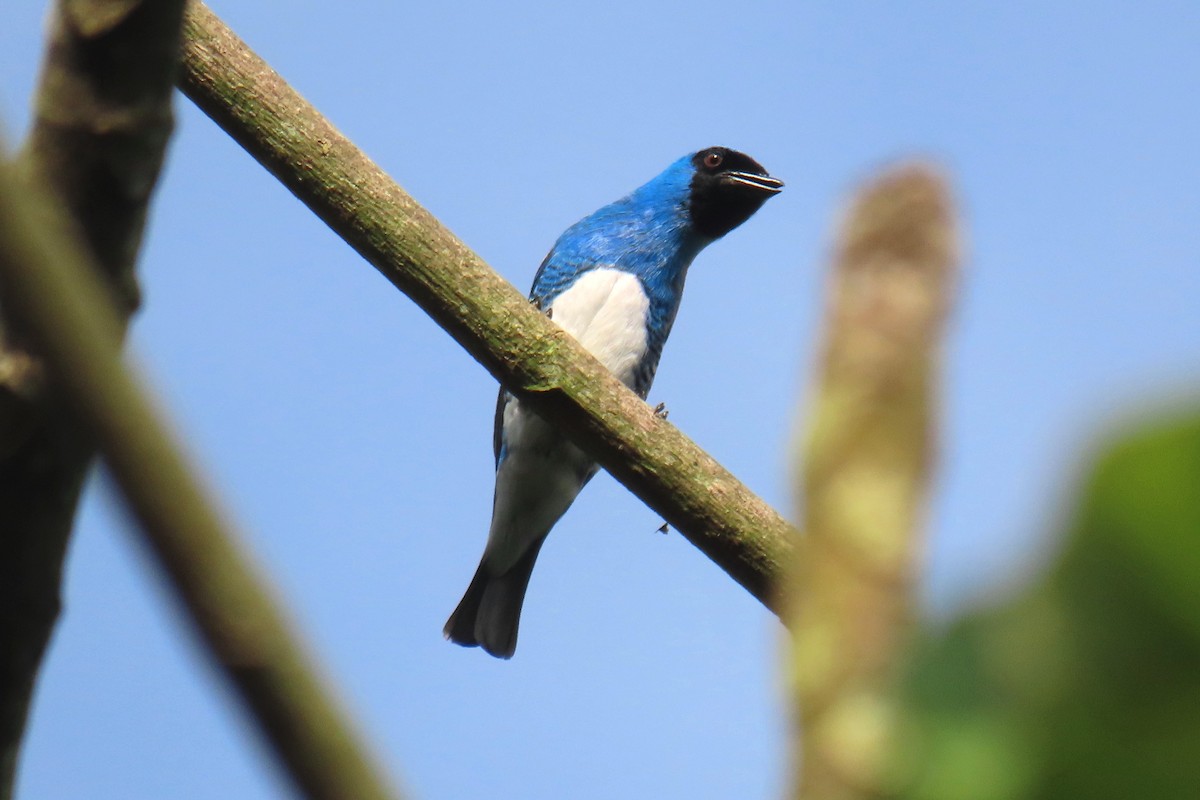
<point>660,411</point>
<point>664,529</point>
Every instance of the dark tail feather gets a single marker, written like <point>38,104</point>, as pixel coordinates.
<point>490,612</point>
<point>460,628</point>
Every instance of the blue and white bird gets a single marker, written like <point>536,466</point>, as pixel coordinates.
<point>613,280</point>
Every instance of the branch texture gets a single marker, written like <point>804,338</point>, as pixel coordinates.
<point>866,475</point>
<point>101,124</point>
<point>526,352</point>
<point>61,302</point>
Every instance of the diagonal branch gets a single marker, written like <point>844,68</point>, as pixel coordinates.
<point>866,477</point>
<point>100,131</point>
<point>484,313</point>
<point>53,290</point>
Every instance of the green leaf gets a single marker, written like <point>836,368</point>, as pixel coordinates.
<point>1087,684</point>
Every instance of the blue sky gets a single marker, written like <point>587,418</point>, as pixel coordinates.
<point>351,438</point>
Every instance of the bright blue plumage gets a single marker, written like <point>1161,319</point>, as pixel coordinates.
<point>614,281</point>
<point>646,233</point>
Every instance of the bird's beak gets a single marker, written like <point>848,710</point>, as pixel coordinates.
<point>750,180</point>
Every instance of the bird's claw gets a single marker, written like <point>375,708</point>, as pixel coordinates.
<point>660,411</point>
<point>664,529</point>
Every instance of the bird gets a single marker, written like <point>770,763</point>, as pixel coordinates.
<point>614,281</point>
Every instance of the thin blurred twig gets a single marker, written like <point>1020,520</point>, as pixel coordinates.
<point>56,294</point>
<point>866,477</point>
<point>483,312</point>
<point>101,124</point>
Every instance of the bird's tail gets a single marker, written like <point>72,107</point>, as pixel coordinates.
<point>490,612</point>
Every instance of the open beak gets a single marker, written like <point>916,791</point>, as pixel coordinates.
<point>762,183</point>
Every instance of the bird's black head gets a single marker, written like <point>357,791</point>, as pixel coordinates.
<point>727,188</point>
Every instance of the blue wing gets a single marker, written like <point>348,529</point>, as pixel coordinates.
<point>617,236</point>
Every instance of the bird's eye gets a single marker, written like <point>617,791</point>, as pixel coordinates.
<point>713,160</point>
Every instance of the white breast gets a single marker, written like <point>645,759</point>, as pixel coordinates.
<point>606,311</point>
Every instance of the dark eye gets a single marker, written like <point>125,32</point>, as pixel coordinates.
<point>713,160</point>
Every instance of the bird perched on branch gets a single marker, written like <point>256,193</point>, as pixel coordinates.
<point>613,280</point>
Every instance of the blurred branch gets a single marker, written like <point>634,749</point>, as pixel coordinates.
<point>100,130</point>
<point>866,477</point>
<point>526,352</point>
<point>65,313</point>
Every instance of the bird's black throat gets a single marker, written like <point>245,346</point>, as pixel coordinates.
<point>717,205</point>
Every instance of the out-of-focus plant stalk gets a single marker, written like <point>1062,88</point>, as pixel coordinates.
<point>867,457</point>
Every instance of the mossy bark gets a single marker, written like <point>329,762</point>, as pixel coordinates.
<point>485,314</point>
